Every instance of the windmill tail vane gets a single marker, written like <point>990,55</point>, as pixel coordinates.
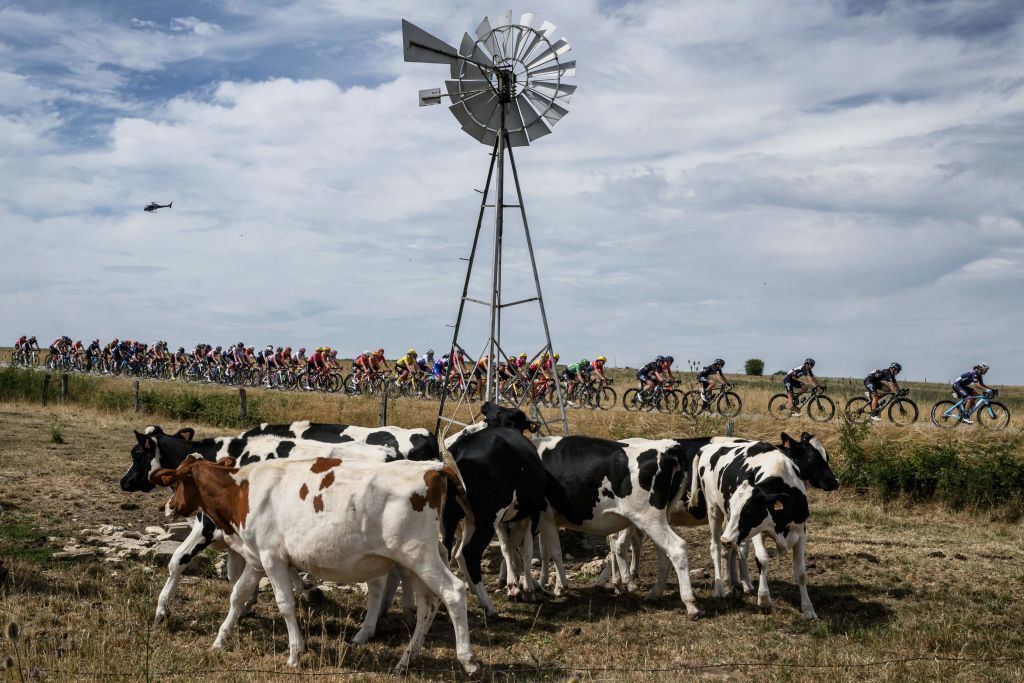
<point>507,89</point>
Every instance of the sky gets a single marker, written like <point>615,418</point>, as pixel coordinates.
<point>839,179</point>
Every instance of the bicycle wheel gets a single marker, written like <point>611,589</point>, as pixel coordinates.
<point>778,408</point>
<point>858,410</point>
<point>903,412</point>
<point>994,416</point>
<point>821,409</point>
<point>605,399</point>
<point>631,399</point>
<point>691,404</point>
<point>945,416</point>
<point>729,404</point>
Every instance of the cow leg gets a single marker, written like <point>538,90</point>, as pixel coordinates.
<point>279,574</point>
<point>242,591</point>
<point>438,581</point>
<point>235,565</point>
<point>800,575</point>
<point>376,588</point>
<point>551,545</point>
<point>426,608</point>
<point>637,546</point>
<point>508,554</point>
<point>530,585</point>
<point>675,547</point>
<point>198,539</point>
<point>743,555</point>
<point>715,523</point>
<point>469,561</point>
<point>619,562</point>
<point>764,598</point>
<point>658,589</point>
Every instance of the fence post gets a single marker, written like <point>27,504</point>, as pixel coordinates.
<point>243,406</point>
<point>46,387</point>
<point>383,408</point>
<point>64,387</point>
<point>135,395</point>
<point>728,427</point>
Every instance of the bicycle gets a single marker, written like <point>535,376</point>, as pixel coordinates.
<point>820,407</point>
<point>989,414</point>
<point>597,394</point>
<point>723,400</point>
<point>663,398</point>
<point>901,410</point>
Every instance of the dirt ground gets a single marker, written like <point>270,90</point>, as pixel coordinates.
<point>902,592</point>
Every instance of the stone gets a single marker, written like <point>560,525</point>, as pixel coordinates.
<point>161,553</point>
<point>71,552</point>
<point>131,534</point>
<point>155,530</point>
<point>593,567</point>
<point>179,531</point>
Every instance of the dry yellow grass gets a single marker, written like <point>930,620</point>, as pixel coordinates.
<point>935,594</point>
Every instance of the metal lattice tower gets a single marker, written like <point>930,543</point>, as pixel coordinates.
<point>506,91</point>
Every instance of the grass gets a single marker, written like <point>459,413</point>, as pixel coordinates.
<point>893,578</point>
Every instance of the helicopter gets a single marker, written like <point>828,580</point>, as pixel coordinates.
<point>153,206</point>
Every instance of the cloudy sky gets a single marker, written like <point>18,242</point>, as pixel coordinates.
<point>746,178</point>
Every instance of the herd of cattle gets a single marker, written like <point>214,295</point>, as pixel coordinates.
<point>383,506</point>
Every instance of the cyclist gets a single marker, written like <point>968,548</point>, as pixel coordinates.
<point>599,363</point>
<point>92,355</point>
<point>315,363</point>
<point>573,372</point>
<point>658,370</point>
<point>706,378</point>
<point>426,361</point>
<point>378,363</point>
<point>794,387</point>
<point>440,367</point>
<point>179,360</point>
<point>60,345</point>
<point>962,388</point>
<point>881,381</point>
<point>480,375</point>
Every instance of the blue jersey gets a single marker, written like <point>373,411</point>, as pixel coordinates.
<point>968,378</point>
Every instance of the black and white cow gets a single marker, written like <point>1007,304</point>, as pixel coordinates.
<point>808,455</point>
<point>750,488</point>
<point>602,487</point>
<point>505,484</point>
<point>156,450</point>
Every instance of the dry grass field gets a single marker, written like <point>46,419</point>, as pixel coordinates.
<point>903,591</point>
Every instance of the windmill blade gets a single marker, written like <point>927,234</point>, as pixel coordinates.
<point>553,90</point>
<point>470,50</point>
<point>517,136</point>
<point>525,22</point>
<point>486,34</point>
<point>532,121</point>
<point>559,48</point>
<point>465,90</point>
<point>420,46</point>
<point>545,29</point>
<point>503,26</point>
<point>557,70</point>
<point>473,128</point>
<point>548,108</point>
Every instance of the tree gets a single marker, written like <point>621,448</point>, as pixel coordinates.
<point>754,366</point>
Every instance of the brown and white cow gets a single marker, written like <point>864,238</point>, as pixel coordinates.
<point>343,521</point>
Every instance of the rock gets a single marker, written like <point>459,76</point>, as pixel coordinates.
<point>594,567</point>
<point>131,534</point>
<point>937,553</point>
<point>72,552</point>
<point>155,530</point>
<point>161,552</point>
<point>179,531</point>
<point>535,562</point>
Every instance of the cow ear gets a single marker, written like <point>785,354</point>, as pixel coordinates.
<point>141,438</point>
<point>226,461</point>
<point>534,426</point>
<point>806,436</point>
<point>777,502</point>
<point>164,477</point>
<point>787,440</point>
<point>186,433</point>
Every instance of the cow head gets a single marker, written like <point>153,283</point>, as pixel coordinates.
<point>147,458</point>
<point>811,460</point>
<point>185,499</point>
<point>513,418</point>
<point>757,509</point>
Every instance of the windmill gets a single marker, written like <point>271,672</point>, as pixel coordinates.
<point>506,90</point>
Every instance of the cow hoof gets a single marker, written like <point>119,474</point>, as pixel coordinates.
<point>809,614</point>
<point>631,587</point>
<point>471,665</point>
<point>159,618</point>
<point>361,638</point>
<point>691,610</point>
<point>559,591</point>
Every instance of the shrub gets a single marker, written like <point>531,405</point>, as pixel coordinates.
<point>754,366</point>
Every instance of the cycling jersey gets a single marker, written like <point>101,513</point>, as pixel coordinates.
<point>707,371</point>
<point>968,378</point>
<point>883,375</point>
<point>439,367</point>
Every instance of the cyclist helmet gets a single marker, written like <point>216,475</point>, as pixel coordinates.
<point>430,352</point>
<point>334,352</point>
<point>181,349</point>
<point>600,359</point>
<point>96,341</point>
<point>79,342</point>
<point>523,356</point>
<point>555,356</point>
<point>659,359</point>
<point>411,352</point>
<point>584,362</point>
<point>217,349</point>
<point>983,366</point>
<point>279,349</point>
<point>719,362</point>
<point>670,360</point>
<point>302,349</point>
<point>895,366</point>
<point>287,349</point>
<point>240,345</point>
<point>380,352</point>
<point>809,361</point>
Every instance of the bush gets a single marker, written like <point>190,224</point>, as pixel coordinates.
<point>754,366</point>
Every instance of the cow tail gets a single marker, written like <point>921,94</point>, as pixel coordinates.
<point>457,492</point>
<point>694,499</point>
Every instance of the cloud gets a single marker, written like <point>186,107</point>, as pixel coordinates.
<point>734,179</point>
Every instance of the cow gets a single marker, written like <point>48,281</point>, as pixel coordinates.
<point>505,484</point>
<point>750,488</point>
<point>809,457</point>
<point>341,520</point>
<point>601,487</point>
<point>155,449</point>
